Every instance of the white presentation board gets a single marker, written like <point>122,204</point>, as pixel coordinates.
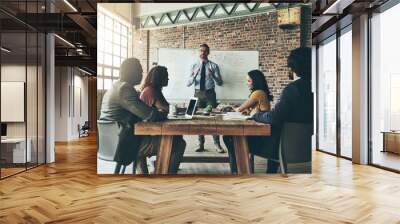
<point>12,101</point>
<point>234,65</point>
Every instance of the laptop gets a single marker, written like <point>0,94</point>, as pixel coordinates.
<point>190,110</point>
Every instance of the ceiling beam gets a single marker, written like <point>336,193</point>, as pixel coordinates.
<point>81,61</point>
<point>84,24</point>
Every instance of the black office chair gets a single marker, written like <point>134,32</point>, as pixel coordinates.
<point>84,129</point>
<point>294,148</point>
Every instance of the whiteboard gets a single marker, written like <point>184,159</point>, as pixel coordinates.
<point>233,64</point>
<point>12,101</point>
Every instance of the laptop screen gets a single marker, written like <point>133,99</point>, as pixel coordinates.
<point>191,108</point>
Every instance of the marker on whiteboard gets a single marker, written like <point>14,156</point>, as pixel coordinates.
<point>154,63</point>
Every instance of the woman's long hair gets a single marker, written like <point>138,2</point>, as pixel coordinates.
<point>260,83</point>
<point>156,78</point>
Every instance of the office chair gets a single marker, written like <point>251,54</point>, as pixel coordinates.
<point>84,129</point>
<point>294,148</point>
<point>107,138</point>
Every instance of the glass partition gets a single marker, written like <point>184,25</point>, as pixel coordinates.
<point>14,153</point>
<point>22,88</point>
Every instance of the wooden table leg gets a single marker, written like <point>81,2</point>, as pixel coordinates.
<point>242,155</point>
<point>164,154</point>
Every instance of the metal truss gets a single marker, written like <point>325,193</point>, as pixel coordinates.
<point>204,13</point>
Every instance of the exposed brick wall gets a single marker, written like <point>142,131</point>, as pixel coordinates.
<point>258,32</point>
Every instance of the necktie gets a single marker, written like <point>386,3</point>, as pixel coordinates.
<point>203,76</point>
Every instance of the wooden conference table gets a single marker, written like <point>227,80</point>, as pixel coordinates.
<point>239,129</point>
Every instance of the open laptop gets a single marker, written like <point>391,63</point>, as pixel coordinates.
<point>190,110</point>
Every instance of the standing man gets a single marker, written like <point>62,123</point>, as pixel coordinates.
<point>204,74</point>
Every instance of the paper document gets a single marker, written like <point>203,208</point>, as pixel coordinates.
<point>234,116</point>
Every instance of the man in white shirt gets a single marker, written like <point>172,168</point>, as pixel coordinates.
<point>204,75</point>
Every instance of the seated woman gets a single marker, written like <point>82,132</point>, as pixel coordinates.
<point>151,94</point>
<point>295,105</point>
<point>259,101</point>
<point>260,96</point>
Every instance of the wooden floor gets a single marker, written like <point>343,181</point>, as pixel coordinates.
<point>386,159</point>
<point>70,191</point>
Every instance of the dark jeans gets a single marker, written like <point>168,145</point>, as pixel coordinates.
<point>258,145</point>
<point>202,139</point>
<point>206,98</point>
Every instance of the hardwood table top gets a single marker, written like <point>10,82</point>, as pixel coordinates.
<point>203,126</point>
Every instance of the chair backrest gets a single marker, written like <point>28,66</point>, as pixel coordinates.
<point>100,95</point>
<point>86,125</point>
<point>107,139</point>
<point>296,142</point>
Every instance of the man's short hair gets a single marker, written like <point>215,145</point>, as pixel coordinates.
<point>299,61</point>
<point>205,46</point>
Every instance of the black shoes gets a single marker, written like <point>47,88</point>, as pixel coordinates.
<point>218,148</point>
<point>200,149</point>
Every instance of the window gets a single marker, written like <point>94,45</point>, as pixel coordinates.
<point>335,94</point>
<point>113,36</point>
<point>327,95</point>
<point>385,85</point>
<point>346,92</point>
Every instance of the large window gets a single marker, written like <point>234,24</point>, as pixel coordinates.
<point>346,92</point>
<point>113,37</point>
<point>385,85</point>
<point>327,95</point>
<point>335,74</point>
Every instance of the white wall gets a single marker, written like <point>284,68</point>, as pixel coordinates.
<point>61,103</point>
<point>69,82</point>
<point>15,73</point>
<point>33,126</point>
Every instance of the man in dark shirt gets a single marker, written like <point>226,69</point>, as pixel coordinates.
<point>295,105</point>
<point>121,103</point>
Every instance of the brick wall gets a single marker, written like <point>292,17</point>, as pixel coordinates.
<point>258,32</point>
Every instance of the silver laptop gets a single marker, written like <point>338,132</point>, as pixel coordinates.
<point>190,110</point>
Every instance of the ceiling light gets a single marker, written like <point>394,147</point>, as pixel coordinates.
<point>65,41</point>
<point>86,72</point>
<point>332,7</point>
<point>70,5</point>
<point>5,50</point>
<point>337,7</point>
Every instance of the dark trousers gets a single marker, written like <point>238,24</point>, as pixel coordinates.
<point>202,139</point>
<point>258,145</point>
<point>206,98</point>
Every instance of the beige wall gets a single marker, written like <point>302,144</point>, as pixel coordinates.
<point>71,87</point>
